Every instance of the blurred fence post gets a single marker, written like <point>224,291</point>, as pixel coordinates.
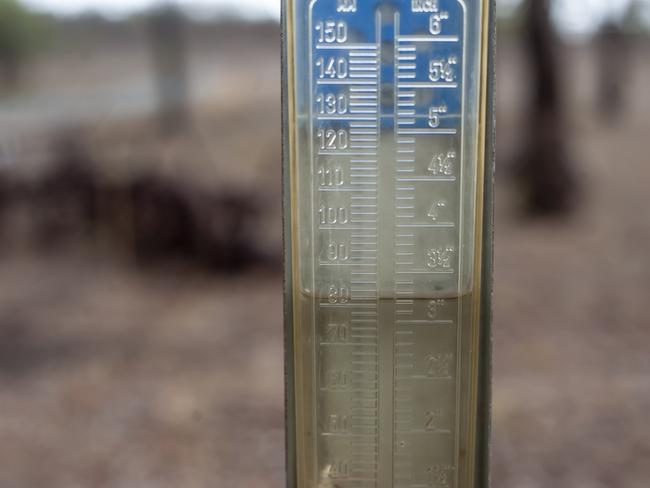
<point>545,168</point>
<point>20,34</point>
<point>613,70</point>
<point>167,32</point>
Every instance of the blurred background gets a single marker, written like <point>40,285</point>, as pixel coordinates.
<point>140,244</point>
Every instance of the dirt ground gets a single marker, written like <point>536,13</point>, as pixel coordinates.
<point>112,377</point>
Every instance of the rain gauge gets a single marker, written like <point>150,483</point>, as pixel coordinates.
<point>388,172</point>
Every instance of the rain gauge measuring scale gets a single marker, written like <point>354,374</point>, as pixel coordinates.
<point>384,177</point>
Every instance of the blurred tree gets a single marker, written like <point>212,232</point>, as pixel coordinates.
<point>634,20</point>
<point>545,171</point>
<point>510,21</point>
<point>20,33</point>
<point>167,28</point>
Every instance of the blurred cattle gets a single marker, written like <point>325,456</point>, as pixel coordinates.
<point>147,216</point>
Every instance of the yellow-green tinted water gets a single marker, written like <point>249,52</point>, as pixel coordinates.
<point>384,392</point>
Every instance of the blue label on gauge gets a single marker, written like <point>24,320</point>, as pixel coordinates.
<point>419,48</point>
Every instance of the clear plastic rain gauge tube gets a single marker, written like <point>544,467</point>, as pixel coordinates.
<point>387,195</point>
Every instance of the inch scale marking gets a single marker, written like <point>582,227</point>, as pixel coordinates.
<point>429,425</point>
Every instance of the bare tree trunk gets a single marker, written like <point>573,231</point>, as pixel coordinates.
<point>546,172</point>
